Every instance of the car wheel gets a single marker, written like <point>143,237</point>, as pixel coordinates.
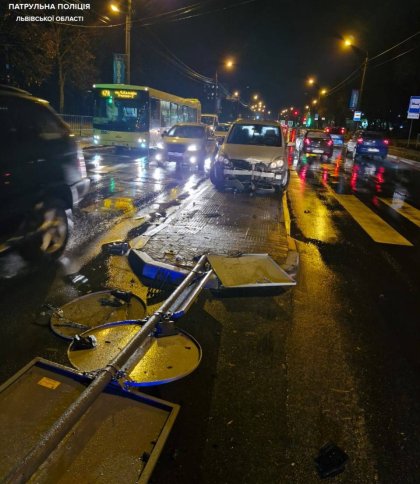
<point>217,176</point>
<point>47,230</point>
<point>286,180</point>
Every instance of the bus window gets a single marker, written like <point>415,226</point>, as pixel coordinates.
<point>191,115</point>
<point>174,113</point>
<point>154,113</point>
<point>165,113</point>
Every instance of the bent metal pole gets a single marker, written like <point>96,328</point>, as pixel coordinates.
<point>54,435</point>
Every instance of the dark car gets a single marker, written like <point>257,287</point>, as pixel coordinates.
<point>368,143</point>
<point>315,143</point>
<point>42,175</point>
<point>337,134</point>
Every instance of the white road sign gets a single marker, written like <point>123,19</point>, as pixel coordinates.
<point>414,108</point>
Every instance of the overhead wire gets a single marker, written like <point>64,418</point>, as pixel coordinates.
<point>351,76</point>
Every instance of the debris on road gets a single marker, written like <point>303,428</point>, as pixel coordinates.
<point>331,460</point>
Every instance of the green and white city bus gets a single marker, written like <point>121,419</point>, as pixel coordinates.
<point>135,117</point>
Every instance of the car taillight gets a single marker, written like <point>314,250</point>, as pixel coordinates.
<point>386,141</point>
<point>342,130</point>
<point>327,130</point>
<point>360,140</point>
<point>307,141</point>
<point>329,142</point>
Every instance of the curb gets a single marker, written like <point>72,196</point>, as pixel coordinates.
<point>398,159</point>
<point>291,266</point>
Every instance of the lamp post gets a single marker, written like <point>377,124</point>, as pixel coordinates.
<point>321,92</point>
<point>228,64</point>
<point>128,40</point>
<point>348,42</point>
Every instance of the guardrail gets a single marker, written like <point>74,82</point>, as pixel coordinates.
<point>80,125</point>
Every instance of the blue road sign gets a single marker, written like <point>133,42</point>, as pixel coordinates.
<point>357,116</point>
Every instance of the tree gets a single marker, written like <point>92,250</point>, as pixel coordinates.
<point>38,51</point>
<point>70,50</point>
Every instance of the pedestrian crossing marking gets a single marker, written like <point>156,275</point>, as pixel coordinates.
<point>370,222</point>
<point>404,209</point>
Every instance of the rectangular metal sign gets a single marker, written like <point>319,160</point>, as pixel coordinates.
<point>354,98</point>
<point>414,108</point>
<point>119,68</point>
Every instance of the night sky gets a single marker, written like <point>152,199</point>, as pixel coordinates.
<point>276,44</point>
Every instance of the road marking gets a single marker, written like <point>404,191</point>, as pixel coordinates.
<point>404,209</point>
<point>370,222</point>
<point>108,169</point>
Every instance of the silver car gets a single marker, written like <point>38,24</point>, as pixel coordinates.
<point>187,143</point>
<point>253,156</point>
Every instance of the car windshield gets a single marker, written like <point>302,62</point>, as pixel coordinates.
<point>187,131</point>
<point>222,127</point>
<point>317,135</point>
<point>372,135</point>
<point>210,120</point>
<point>255,134</point>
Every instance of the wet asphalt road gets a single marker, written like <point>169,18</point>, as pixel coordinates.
<point>335,359</point>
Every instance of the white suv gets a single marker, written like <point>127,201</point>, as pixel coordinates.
<point>252,156</point>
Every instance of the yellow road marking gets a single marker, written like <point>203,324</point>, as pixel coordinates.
<point>404,209</point>
<point>371,223</point>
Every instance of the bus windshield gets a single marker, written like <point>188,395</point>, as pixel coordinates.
<point>114,113</point>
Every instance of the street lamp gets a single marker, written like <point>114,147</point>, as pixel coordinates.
<point>228,64</point>
<point>128,13</point>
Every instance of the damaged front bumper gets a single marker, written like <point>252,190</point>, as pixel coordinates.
<point>240,178</point>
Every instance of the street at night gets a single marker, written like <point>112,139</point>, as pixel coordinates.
<point>334,359</point>
<point>209,242</point>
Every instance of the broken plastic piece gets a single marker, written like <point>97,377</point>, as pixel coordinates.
<point>123,295</point>
<point>331,460</point>
<point>116,248</point>
<point>84,342</point>
<point>114,302</point>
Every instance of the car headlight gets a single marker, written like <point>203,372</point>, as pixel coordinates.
<point>193,147</point>
<point>277,164</point>
<point>160,145</point>
<point>222,158</point>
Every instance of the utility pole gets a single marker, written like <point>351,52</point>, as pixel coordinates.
<point>362,84</point>
<point>216,93</point>
<point>128,40</point>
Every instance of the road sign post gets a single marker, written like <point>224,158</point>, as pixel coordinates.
<point>413,113</point>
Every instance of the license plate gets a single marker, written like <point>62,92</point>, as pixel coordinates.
<point>375,150</point>
<point>174,153</point>
<point>317,151</point>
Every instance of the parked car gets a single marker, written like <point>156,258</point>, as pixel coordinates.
<point>315,143</point>
<point>252,156</point>
<point>187,143</point>
<point>368,143</point>
<point>42,175</point>
<point>337,134</point>
<point>221,131</point>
